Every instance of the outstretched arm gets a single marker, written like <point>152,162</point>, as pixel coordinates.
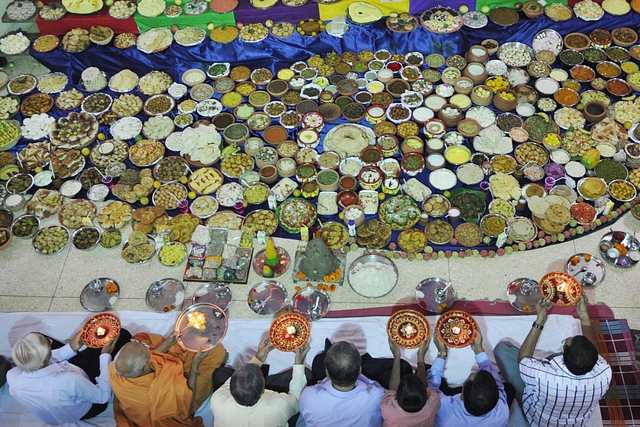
<point>394,380</point>
<point>529,344</point>
<point>587,329</point>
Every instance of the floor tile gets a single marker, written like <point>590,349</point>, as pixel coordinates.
<point>25,304</point>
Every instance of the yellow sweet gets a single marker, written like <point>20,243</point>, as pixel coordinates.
<point>172,254</point>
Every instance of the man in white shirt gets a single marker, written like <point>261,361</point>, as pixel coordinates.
<point>561,391</point>
<point>51,387</point>
<point>243,400</point>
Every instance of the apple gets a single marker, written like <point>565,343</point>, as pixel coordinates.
<point>464,9</point>
<point>485,9</point>
<point>518,6</point>
<point>109,3</point>
<point>239,24</point>
<point>174,28</point>
<point>177,2</point>
<point>269,23</point>
<point>39,4</point>
<point>210,26</point>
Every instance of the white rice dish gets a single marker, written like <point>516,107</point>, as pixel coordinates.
<point>372,279</point>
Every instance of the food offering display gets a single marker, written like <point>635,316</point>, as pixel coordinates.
<point>483,151</point>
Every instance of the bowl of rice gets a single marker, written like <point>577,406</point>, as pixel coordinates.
<point>372,276</point>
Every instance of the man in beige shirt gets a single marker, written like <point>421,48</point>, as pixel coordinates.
<point>243,400</point>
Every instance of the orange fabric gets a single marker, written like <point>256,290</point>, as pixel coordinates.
<point>163,398</point>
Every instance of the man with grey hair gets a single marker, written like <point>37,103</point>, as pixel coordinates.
<point>158,384</point>
<point>346,398</point>
<point>60,385</point>
<point>244,401</point>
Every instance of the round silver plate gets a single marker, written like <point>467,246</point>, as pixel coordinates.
<point>267,297</point>
<point>435,294</point>
<point>523,293</point>
<point>94,296</point>
<point>203,335</point>
<point>214,293</point>
<point>311,303</point>
<point>165,295</point>
<point>588,273</point>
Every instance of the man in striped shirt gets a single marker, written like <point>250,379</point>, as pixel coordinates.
<point>561,391</point>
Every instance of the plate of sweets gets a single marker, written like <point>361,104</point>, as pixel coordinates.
<point>289,332</point>
<point>100,329</point>
<point>408,328</point>
<point>457,329</point>
<point>560,288</point>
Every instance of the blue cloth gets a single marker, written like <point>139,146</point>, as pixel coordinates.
<point>452,412</point>
<point>322,405</point>
<point>61,392</point>
<point>275,54</point>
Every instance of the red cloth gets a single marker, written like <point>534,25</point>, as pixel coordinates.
<point>70,21</point>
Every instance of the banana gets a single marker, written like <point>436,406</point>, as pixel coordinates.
<point>229,150</point>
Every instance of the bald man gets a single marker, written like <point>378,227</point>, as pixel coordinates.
<point>158,384</point>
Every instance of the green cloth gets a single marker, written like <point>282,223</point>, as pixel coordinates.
<point>508,3</point>
<point>184,20</point>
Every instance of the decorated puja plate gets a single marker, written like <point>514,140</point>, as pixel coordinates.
<point>620,249</point>
<point>441,20</point>
<point>295,213</point>
<point>262,220</point>
<point>348,139</point>
<point>289,332</point>
<point>457,329</point>
<point>334,235</point>
<point>399,212</point>
<point>100,329</point>
<point>524,294</point>
<point>282,263</point>
<point>408,328</point>
<point>201,326</point>
<point>586,268</point>
<point>100,294</point>
<point>560,289</point>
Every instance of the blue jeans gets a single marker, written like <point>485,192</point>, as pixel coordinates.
<point>506,355</point>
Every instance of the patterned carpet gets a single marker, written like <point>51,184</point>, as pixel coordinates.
<point>621,405</point>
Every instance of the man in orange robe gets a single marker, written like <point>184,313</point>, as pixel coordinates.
<point>158,384</point>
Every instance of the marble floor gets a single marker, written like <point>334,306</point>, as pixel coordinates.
<point>33,282</point>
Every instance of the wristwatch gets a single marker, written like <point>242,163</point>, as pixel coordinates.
<point>537,326</point>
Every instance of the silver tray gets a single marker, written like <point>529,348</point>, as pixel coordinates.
<point>165,295</point>
<point>523,294</point>
<point>630,243</point>
<point>94,296</point>
<point>589,273</point>
<point>215,293</point>
<point>311,302</point>
<point>267,297</point>
<point>435,295</point>
<point>207,335</point>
